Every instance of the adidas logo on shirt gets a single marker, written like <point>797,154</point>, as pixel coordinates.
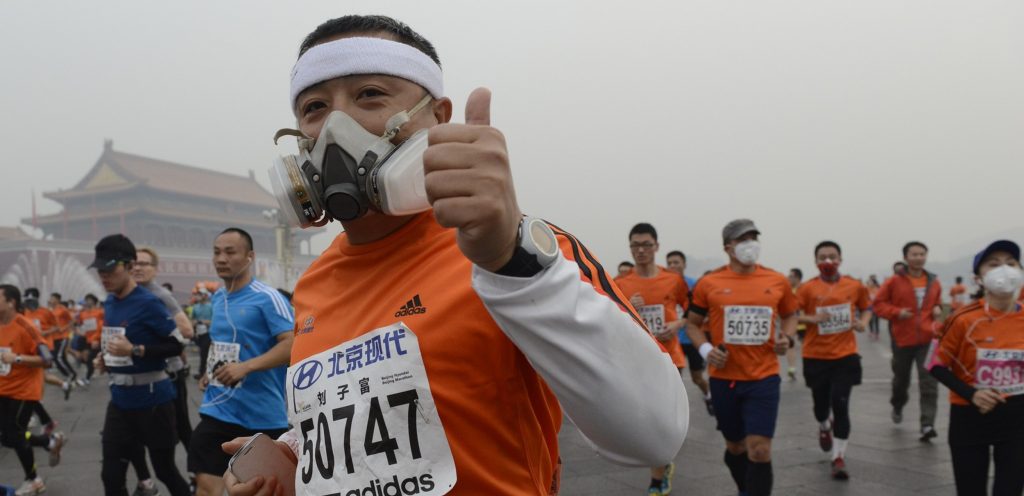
<point>412,307</point>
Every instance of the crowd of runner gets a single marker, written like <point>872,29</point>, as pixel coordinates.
<point>451,343</point>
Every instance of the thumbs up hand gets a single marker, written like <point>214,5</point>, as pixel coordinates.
<point>469,184</point>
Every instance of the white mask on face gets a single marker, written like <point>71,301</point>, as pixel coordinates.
<point>1003,280</point>
<point>747,252</point>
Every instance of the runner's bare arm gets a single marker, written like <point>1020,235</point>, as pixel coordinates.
<point>789,324</point>
<point>694,328</point>
<point>184,325</point>
<point>864,320</point>
<point>580,335</point>
<point>277,356</point>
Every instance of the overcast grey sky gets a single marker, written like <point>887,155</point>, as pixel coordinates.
<point>869,122</point>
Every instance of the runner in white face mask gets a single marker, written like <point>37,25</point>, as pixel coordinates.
<point>980,358</point>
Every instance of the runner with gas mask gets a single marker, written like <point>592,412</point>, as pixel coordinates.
<point>833,306</point>
<point>434,351</point>
<point>742,301</point>
<point>980,358</point>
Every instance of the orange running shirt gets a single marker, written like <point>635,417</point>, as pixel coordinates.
<point>43,319</point>
<point>91,321</point>
<point>20,382</point>
<point>661,294</point>
<point>64,319</point>
<point>984,348</point>
<point>742,309</point>
<point>500,418</point>
<point>834,338</point>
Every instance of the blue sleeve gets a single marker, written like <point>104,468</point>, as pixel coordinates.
<point>278,314</point>
<point>158,318</point>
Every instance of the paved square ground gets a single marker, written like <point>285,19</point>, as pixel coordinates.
<point>883,459</point>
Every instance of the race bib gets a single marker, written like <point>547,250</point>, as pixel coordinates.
<point>840,319</point>
<point>221,354</point>
<point>5,368</point>
<point>1001,370</point>
<point>747,325</point>
<point>108,359</point>
<point>89,325</point>
<point>368,420</point>
<point>654,317</point>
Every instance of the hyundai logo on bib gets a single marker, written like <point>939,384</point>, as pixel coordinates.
<point>307,374</point>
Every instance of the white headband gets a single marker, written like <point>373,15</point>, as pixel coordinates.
<point>349,56</point>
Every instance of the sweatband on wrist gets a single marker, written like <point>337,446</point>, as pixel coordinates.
<point>705,349</point>
<point>350,56</point>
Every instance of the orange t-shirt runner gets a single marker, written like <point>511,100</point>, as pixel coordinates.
<point>91,322</point>
<point>43,319</point>
<point>64,319</point>
<point>832,339</point>
<point>985,349</point>
<point>661,294</point>
<point>957,297</point>
<point>742,309</point>
<point>408,297</point>
<point>18,381</point>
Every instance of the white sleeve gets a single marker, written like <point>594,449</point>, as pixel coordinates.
<point>612,379</point>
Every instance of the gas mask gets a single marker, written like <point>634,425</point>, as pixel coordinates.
<point>347,170</point>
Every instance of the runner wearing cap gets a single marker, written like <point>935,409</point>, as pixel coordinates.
<point>830,304</point>
<point>980,358</point>
<point>137,338</point>
<point>911,301</point>
<point>243,390</point>
<point>655,293</point>
<point>21,387</point>
<point>676,262</point>
<point>742,301</point>
<point>451,341</point>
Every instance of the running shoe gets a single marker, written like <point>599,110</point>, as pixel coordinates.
<point>31,487</point>
<point>928,433</point>
<point>82,382</point>
<point>66,387</point>
<point>791,373</point>
<point>143,490</point>
<point>825,439</point>
<point>57,442</point>
<point>666,480</point>
<point>710,406</point>
<point>897,416</point>
<point>654,491</point>
<point>839,469</point>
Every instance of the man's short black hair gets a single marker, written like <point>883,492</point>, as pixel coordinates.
<point>627,264</point>
<point>799,273</point>
<point>959,279</point>
<point>32,293</point>
<point>91,297</point>
<point>644,228</point>
<point>908,246</point>
<point>241,232</point>
<point>899,264</point>
<point>168,286</point>
<point>826,244</point>
<point>369,24</point>
<point>58,296</point>
<point>676,253</point>
<point>11,293</point>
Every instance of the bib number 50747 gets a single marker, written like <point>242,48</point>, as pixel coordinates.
<point>376,436</point>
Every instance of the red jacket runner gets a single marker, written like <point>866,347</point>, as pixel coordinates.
<point>898,293</point>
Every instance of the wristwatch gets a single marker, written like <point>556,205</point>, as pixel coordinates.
<point>17,358</point>
<point>536,249</point>
<point>137,350</point>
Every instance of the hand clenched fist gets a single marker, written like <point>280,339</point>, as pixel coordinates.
<point>469,184</point>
